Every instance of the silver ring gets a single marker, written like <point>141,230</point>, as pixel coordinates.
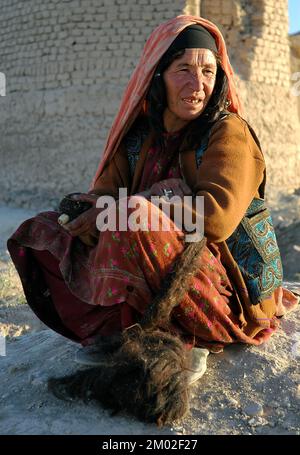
<point>168,193</point>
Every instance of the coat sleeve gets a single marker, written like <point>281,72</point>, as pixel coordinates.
<point>229,176</point>
<point>115,175</point>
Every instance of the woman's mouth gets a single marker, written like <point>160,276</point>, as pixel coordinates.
<point>193,101</point>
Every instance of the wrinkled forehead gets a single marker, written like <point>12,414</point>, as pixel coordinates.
<point>197,56</point>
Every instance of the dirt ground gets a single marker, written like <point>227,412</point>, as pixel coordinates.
<point>245,390</point>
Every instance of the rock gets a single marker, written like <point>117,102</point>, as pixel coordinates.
<point>274,404</point>
<point>286,402</point>
<point>252,422</point>
<point>257,421</point>
<point>233,402</point>
<point>254,409</point>
<point>38,379</point>
<point>18,368</point>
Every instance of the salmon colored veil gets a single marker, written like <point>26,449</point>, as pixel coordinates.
<point>157,44</point>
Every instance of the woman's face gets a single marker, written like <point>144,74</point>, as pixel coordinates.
<point>189,82</point>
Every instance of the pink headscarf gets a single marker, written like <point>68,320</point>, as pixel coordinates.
<point>157,44</point>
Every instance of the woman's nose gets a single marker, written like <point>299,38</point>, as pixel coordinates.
<point>197,81</point>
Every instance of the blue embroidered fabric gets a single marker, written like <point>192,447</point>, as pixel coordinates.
<point>254,247</point>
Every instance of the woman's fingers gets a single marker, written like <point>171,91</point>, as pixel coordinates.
<point>86,197</point>
<point>86,222</point>
<point>88,239</point>
<point>178,186</point>
<point>83,229</point>
<point>185,188</point>
<point>79,225</point>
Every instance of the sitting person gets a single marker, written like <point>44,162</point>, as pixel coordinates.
<point>145,297</point>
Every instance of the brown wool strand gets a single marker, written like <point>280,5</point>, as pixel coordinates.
<point>145,371</point>
<point>175,285</point>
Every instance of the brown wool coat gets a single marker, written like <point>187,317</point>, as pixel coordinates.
<point>229,177</point>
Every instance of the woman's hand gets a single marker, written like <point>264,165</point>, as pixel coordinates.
<point>84,226</point>
<point>178,186</point>
<point>181,189</point>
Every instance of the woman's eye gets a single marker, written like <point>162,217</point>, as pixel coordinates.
<point>210,72</point>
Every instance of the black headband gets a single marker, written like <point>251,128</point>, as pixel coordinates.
<point>193,36</point>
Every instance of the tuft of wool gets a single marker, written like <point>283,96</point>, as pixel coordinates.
<point>145,371</point>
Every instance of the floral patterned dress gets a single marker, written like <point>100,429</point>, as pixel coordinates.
<point>82,291</point>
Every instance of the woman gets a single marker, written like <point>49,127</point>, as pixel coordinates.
<point>85,285</point>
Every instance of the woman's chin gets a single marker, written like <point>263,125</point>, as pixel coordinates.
<point>192,112</point>
<point>188,117</point>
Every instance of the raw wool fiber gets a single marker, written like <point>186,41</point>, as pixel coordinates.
<point>145,371</point>
<point>146,377</point>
